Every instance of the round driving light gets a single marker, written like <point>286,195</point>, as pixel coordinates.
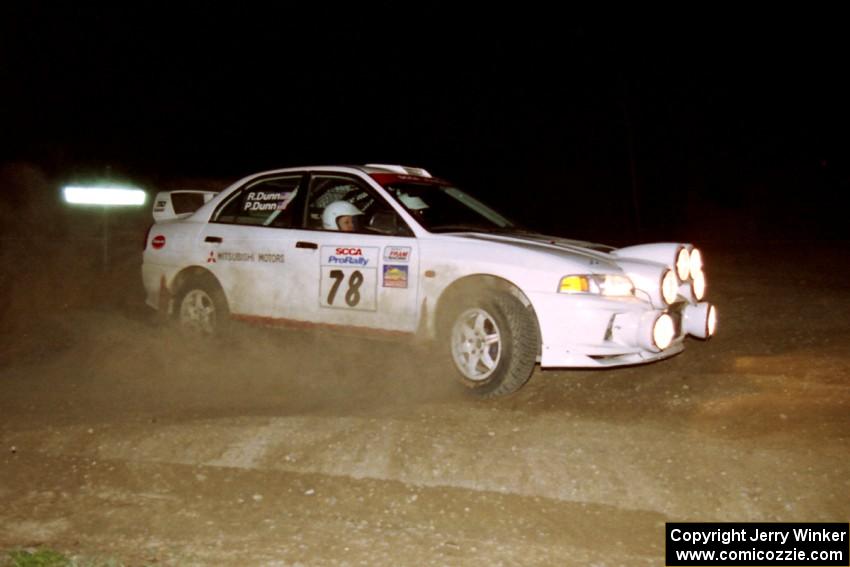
<point>663,331</point>
<point>683,263</point>
<point>698,285</point>
<point>669,287</point>
<point>712,320</point>
<point>696,261</point>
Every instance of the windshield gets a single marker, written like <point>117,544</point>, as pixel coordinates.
<point>440,208</point>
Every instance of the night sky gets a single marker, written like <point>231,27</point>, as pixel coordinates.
<point>657,125</point>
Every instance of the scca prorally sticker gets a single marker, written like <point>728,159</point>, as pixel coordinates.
<point>397,253</point>
<point>349,256</point>
<point>395,276</point>
<point>159,206</point>
<point>349,277</point>
<point>268,200</point>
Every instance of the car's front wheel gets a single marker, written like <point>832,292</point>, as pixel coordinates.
<point>493,343</point>
<point>201,308</point>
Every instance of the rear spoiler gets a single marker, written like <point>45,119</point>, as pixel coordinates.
<point>180,203</point>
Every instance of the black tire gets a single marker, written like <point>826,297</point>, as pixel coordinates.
<point>200,308</point>
<point>490,370</point>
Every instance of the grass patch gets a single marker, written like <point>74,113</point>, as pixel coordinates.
<point>41,558</point>
<point>50,558</point>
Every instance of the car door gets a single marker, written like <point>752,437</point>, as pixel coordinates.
<point>366,278</point>
<point>246,243</point>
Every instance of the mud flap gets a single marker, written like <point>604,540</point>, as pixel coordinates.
<point>163,309</point>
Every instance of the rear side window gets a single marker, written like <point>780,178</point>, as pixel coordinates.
<point>266,202</point>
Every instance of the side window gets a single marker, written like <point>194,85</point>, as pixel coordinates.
<point>342,203</point>
<point>266,202</point>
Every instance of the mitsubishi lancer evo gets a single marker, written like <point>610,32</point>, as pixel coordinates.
<point>393,250</point>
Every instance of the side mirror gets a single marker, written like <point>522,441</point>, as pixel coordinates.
<point>384,222</point>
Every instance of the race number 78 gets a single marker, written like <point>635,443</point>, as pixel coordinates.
<point>352,294</point>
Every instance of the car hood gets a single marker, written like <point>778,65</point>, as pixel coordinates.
<point>563,256</point>
<point>588,253</point>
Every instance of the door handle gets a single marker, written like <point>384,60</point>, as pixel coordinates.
<point>213,239</point>
<point>303,244</point>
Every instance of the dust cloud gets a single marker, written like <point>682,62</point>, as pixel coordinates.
<point>84,319</point>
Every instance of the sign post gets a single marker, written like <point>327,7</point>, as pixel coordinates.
<point>105,196</point>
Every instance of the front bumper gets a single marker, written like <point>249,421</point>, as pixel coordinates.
<point>597,331</point>
<point>562,358</point>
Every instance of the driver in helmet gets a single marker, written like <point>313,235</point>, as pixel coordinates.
<point>341,215</point>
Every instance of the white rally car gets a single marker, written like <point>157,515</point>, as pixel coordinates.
<point>391,249</point>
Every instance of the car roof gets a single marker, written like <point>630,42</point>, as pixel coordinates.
<point>369,169</point>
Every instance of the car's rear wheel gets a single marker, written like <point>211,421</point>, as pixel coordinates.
<point>201,308</point>
<point>493,342</point>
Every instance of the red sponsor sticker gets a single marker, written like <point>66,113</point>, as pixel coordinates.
<point>349,252</point>
<point>158,241</point>
<point>397,253</point>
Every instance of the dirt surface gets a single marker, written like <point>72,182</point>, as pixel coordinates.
<point>120,438</point>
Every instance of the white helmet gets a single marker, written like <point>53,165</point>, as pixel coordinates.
<point>413,203</point>
<point>337,209</point>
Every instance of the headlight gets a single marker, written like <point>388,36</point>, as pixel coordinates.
<point>663,331</point>
<point>699,320</point>
<point>683,263</point>
<point>669,287</point>
<point>695,263</point>
<point>698,285</point>
<point>602,284</point>
<point>712,321</point>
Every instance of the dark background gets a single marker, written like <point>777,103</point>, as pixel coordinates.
<point>619,127</point>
